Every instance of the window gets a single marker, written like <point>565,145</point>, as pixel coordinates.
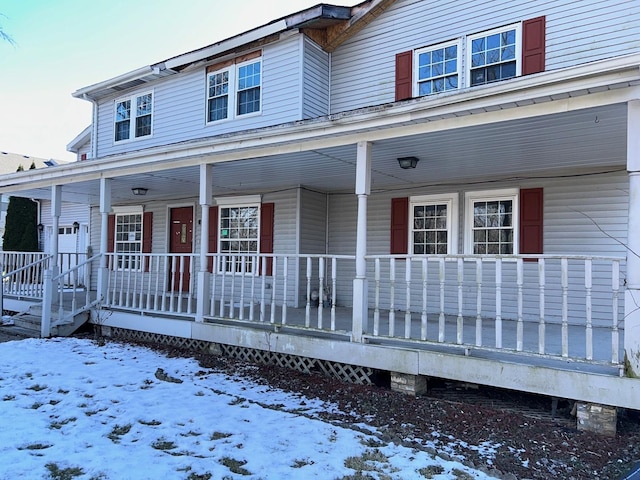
<point>133,117</point>
<point>433,229</point>
<point>239,235</point>
<point>234,90</point>
<point>128,240</point>
<point>437,68</point>
<point>492,222</point>
<point>493,56</point>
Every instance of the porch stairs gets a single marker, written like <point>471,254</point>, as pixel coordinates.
<point>29,323</point>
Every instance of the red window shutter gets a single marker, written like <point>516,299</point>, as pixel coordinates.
<point>531,220</point>
<point>266,233</point>
<point>404,75</point>
<point>399,226</point>
<point>147,229</point>
<point>111,233</point>
<point>111,238</point>
<point>213,234</point>
<point>533,45</point>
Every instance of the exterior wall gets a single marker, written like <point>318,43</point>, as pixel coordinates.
<point>315,81</point>
<point>575,223</point>
<point>363,69</point>
<point>179,104</point>
<point>313,237</point>
<point>85,149</point>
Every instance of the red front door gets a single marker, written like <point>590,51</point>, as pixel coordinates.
<point>180,241</point>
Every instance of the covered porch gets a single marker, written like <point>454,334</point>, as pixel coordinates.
<point>562,323</point>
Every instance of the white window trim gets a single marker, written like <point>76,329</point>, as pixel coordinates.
<point>459,71</point>
<point>470,38</point>
<point>128,210</point>
<point>451,199</point>
<point>233,92</point>
<point>491,195</point>
<point>132,117</point>
<point>238,202</point>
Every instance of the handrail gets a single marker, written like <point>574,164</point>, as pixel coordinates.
<point>76,267</point>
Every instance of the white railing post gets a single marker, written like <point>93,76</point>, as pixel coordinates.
<point>565,305</point>
<point>520,324</point>
<point>321,290</point>
<point>307,312</point>
<point>615,335</point>
<point>47,304</point>
<point>478,302</point>
<point>392,297</point>
<point>376,307</point>
<point>460,319</point>
<point>423,316</point>
<point>441,318</point>
<point>407,311</point>
<point>498,303</point>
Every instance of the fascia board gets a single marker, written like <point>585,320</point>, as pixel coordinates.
<point>225,45</point>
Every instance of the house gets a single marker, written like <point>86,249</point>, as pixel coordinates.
<point>429,189</point>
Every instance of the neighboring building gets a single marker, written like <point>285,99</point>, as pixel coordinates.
<point>454,184</point>
<point>9,163</point>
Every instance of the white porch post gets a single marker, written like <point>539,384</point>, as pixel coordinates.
<point>54,269</point>
<point>360,287</point>
<point>632,292</point>
<point>202,299</point>
<point>105,210</point>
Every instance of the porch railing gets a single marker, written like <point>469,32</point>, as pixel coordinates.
<point>550,305</point>
<point>22,275</point>
<point>150,282</point>
<point>287,290</point>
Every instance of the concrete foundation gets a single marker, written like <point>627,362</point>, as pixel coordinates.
<point>596,418</point>
<point>409,384</point>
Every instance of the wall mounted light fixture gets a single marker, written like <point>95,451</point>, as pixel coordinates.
<point>407,162</point>
<point>76,226</point>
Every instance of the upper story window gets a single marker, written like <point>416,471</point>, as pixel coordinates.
<point>472,60</point>
<point>437,68</point>
<point>234,89</point>
<point>133,117</point>
<point>493,56</point>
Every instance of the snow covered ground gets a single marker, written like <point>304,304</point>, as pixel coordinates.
<point>71,407</point>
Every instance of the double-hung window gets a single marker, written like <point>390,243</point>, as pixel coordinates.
<point>133,117</point>
<point>128,241</point>
<point>433,224</point>
<point>492,222</point>
<point>437,68</point>
<point>239,235</point>
<point>234,90</point>
<point>494,55</point>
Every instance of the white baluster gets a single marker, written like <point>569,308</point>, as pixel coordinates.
<point>321,290</point>
<point>541,324</point>
<point>519,284</point>
<point>615,335</point>
<point>307,313</point>
<point>441,319</point>
<point>478,302</point>
<point>285,275</point>
<point>565,306</point>
<point>407,312</point>
<point>588,269</point>
<point>423,316</point>
<point>460,319</point>
<point>376,306</point>
<point>334,274</point>
<point>274,288</point>
<point>392,294</point>
<point>498,303</point>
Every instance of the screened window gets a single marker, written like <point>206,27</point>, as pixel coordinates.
<point>493,224</point>
<point>493,56</point>
<point>133,117</point>
<point>437,68</point>
<point>239,236</point>
<point>128,240</point>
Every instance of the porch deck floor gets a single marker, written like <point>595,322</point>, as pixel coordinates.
<point>483,347</point>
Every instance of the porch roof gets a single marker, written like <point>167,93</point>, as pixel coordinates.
<point>569,120</point>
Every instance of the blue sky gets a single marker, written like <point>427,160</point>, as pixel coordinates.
<point>64,45</point>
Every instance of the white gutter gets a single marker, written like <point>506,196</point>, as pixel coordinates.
<point>115,81</point>
<point>94,126</point>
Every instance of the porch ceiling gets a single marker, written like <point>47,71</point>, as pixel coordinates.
<point>592,138</point>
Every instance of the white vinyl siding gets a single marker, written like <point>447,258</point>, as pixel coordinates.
<point>180,103</point>
<point>315,81</point>
<point>363,69</point>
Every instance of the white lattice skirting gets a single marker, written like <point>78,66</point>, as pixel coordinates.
<point>342,371</point>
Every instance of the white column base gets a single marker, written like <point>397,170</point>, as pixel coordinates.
<point>202,295</point>
<point>360,321</point>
